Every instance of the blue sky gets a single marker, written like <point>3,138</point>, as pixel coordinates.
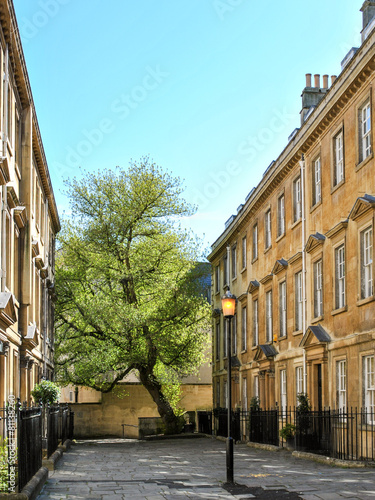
<point>210,89</point>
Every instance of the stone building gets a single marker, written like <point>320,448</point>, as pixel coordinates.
<point>298,255</point>
<point>28,224</point>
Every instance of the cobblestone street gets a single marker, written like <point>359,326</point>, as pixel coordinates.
<point>196,469</point>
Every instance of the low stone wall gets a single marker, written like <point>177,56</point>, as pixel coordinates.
<point>118,416</point>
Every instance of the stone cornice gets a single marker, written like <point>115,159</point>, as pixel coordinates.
<point>349,82</point>
<point>336,229</point>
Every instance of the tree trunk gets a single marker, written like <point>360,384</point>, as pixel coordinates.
<point>171,421</point>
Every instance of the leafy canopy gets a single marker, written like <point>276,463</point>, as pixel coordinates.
<point>128,284</point>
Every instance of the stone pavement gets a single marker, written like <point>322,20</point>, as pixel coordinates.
<point>196,469</point>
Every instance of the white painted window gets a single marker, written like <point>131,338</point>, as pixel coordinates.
<point>341,384</point>
<point>318,288</point>
<point>244,329</point>
<point>267,229</point>
<point>282,308</point>
<point>366,263</point>
<point>365,131</point>
<point>299,382</point>
<point>255,323</point>
<point>255,242</point>
<point>298,300</point>
<point>339,157</point>
<point>317,181</point>
<point>269,316</point>
<point>340,277</point>
<point>283,393</point>
<point>256,386</point>
<point>244,250</point>
<point>369,387</point>
<point>297,199</point>
<point>281,216</point>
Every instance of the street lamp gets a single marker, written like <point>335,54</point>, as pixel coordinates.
<point>228,303</point>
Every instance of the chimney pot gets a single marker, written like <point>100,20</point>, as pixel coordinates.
<point>333,79</point>
<point>325,81</point>
<point>308,79</point>
<point>317,81</point>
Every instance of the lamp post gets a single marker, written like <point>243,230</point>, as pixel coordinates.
<point>228,303</point>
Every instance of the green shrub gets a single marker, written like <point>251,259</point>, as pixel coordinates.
<point>46,392</point>
<point>3,466</point>
<point>288,431</point>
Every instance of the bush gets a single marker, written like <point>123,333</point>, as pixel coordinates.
<point>46,392</point>
<point>288,431</point>
<point>3,466</point>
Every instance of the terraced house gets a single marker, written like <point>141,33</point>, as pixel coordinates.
<point>298,255</point>
<point>28,225</point>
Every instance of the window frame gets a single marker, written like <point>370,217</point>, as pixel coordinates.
<point>340,276</point>
<point>255,311</point>
<point>318,288</point>
<point>317,181</point>
<point>369,388</point>
<point>282,309</point>
<point>268,316</point>
<point>366,263</point>
<point>255,242</point>
<point>217,279</point>
<point>364,150</point>
<point>281,222</point>
<point>233,261</point>
<point>299,382</point>
<point>243,328</point>
<point>244,252</point>
<point>338,160</point>
<point>283,390</point>
<point>217,340</point>
<point>341,384</point>
<point>298,301</point>
<point>297,199</point>
<point>267,230</point>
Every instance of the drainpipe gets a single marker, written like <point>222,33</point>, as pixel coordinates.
<point>302,165</point>
<point>45,292</point>
<point>4,189</point>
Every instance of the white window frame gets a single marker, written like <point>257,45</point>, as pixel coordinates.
<point>298,301</point>
<point>299,382</point>
<point>367,284</point>
<point>256,386</point>
<point>244,252</point>
<point>369,386</point>
<point>244,329</point>
<point>267,229</point>
<point>233,255</point>
<point>339,157</point>
<point>340,299</point>
<point>297,199</point>
<point>318,288</point>
<point>282,309</point>
<point>283,390</point>
<point>255,322</point>
<point>317,181</point>
<point>269,316</point>
<point>365,131</point>
<point>281,216</point>
<point>341,384</point>
<point>255,241</point>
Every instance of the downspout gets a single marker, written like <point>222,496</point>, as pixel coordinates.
<point>4,188</point>
<point>302,165</point>
<point>45,292</point>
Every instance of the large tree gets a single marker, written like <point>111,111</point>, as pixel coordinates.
<point>128,285</point>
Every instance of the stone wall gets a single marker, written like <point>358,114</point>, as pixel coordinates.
<point>118,416</point>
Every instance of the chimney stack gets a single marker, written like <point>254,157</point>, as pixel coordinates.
<point>311,96</point>
<point>368,16</point>
<point>317,81</point>
<point>325,81</point>
<point>308,79</point>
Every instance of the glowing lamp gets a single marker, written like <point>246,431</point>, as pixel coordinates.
<point>228,304</point>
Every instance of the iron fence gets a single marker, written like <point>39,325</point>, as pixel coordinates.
<point>27,434</point>
<point>347,434</point>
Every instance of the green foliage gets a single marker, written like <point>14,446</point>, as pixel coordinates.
<point>46,392</point>
<point>288,431</point>
<point>255,403</point>
<point>3,466</point>
<point>128,285</point>
<point>304,405</point>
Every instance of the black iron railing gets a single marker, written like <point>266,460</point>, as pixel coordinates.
<point>29,443</point>
<point>347,434</point>
<point>53,428</point>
